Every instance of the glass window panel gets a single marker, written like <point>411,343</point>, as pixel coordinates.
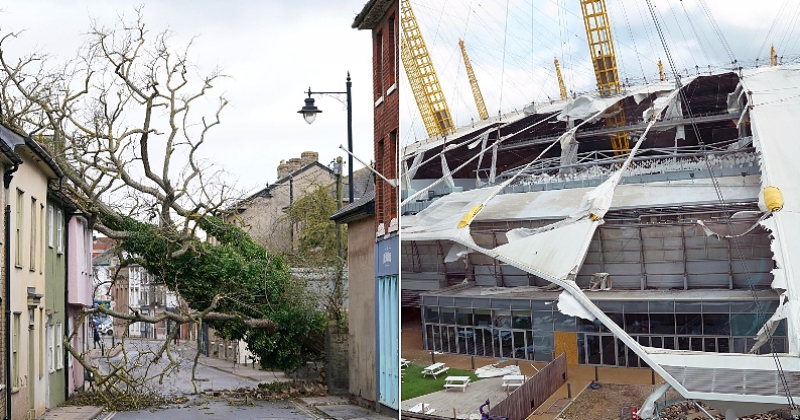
<point>581,349</point>
<point>501,304</point>
<point>432,314</point>
<point>521,304</point>
<point>710,345</point>
<point>688,307</point>
<point>588,326</point>
<point>466,340</point>
<point>716,324</point>
<point>746,325</point>
<point>481,303</point>
<point>542,322</point>
<point>507,344</point>
<point>637,323</point>
<point>483,317</point>
<point>635,306</point>
<point>461,302</point>
<point>780,331</point>
<point>502,318</point>
<point>521,319</point>
<point>669,343</point>
<point>683,343</point>
<point>662,323</point>
<point>429,300</point>
<point>429,337</point>
<point>519,345</point>
<point>743,307</point>
<point>738,345</point>
<point>689,324</point>
<point>643,340</point>
<point>656,342</point>
<point>543,347</point>
<point>633,359</point>
<point>464,316</point>
<point>609,354</point>
<point>593,348</point>
<point>447,315</point>
<point>563,322</point>
<point>609,305</point>
<point>724,345</point>
<point>529,341</point>
<point>716,307</point>
<point>446,301</point>
<point>487,343</point>
<point>542,305</point>
<point>666,306</point>
<point>696,344</point>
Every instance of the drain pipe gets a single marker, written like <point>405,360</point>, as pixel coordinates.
<point>7,281</point>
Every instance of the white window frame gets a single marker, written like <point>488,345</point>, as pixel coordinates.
<point>34,234</point>
<point>59,346</point>
<point>60,230</point>
<point>51,354</point>
<point>50,231</point>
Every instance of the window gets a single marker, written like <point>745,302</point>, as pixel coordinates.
<point>51,353</point>
<point>59,229</point>
<point>15,379</point>
<point>391,74</point>
<point>50,231</point>
<point>42,339</point>
<point>33,235</point>
<point>18,239</point>
<point>379,63</point>
<point>40,239</point>
<point>59,346</point>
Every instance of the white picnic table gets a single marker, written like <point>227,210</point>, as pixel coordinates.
<point>456,382</point>
<point>435,369</point>
<point>403,363</point>
<point>422,408</point>
<point>514,381</point>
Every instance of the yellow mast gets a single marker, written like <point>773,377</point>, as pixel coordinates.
<point>604,60</point>
<point>562,88</point>
<point>473,81</point>
<point>422,76</point>
<point>661,74</point>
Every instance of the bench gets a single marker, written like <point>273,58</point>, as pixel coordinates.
<point>514,381</point>
<point>422,408</point>
<point>435,369</point>
<point>456,382</point>
<point>403,363</point>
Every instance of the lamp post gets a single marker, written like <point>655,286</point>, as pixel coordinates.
<point>310,112</point>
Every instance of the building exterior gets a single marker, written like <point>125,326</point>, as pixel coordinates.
<point>27,195</point>
<point>263,213</point>
<point>663,257</point>
<point>381,18</point>
<point>80,287</point>
<point>55,266</point>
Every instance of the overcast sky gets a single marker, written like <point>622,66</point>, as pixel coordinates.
<point>512,44</point>
<point>273,50</point>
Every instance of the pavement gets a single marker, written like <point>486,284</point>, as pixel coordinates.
<point>328,407</point>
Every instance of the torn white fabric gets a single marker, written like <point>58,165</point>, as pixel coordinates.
<point>710,232</point>
<point>448,178</point>
<point>492,371</point>
<point>440,219</point>
<point>569,149</point>
<point>414,166</point>
<point>771,325</point>
<point>484,138</point>
<point>456,252</point>
<point>741,143</point>
<point>568,305</point>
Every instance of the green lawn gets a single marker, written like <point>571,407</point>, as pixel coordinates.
<point>413,384</point>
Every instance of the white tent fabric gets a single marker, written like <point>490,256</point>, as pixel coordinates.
<point>773,95</point>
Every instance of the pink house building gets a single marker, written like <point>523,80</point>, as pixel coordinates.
<point>80,289</point>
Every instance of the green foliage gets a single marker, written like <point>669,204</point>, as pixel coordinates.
<point>252,283</point>
<point>317,245</point>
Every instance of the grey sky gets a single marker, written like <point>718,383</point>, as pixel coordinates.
<point>273,50</point>
<point>512,44</point>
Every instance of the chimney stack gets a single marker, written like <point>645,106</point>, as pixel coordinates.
<point>283,169</point>
<point>307,158</point>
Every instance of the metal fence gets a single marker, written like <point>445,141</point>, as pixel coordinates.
<point>535,391</point>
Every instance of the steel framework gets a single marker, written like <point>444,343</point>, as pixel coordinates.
<point>473,82</point>
<point>561,87</point>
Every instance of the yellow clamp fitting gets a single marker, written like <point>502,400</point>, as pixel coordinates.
<point>469,216</point>
<point>773,198</point>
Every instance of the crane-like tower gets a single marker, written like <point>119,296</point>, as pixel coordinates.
<point>473,82</point>
<point>604,60</point>
<point>661,74</point>
<point>561,86</point>
<point>773,56</point>
<point>422,76</point>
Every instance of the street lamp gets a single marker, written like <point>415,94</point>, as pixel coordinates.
<point>310,112</point>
